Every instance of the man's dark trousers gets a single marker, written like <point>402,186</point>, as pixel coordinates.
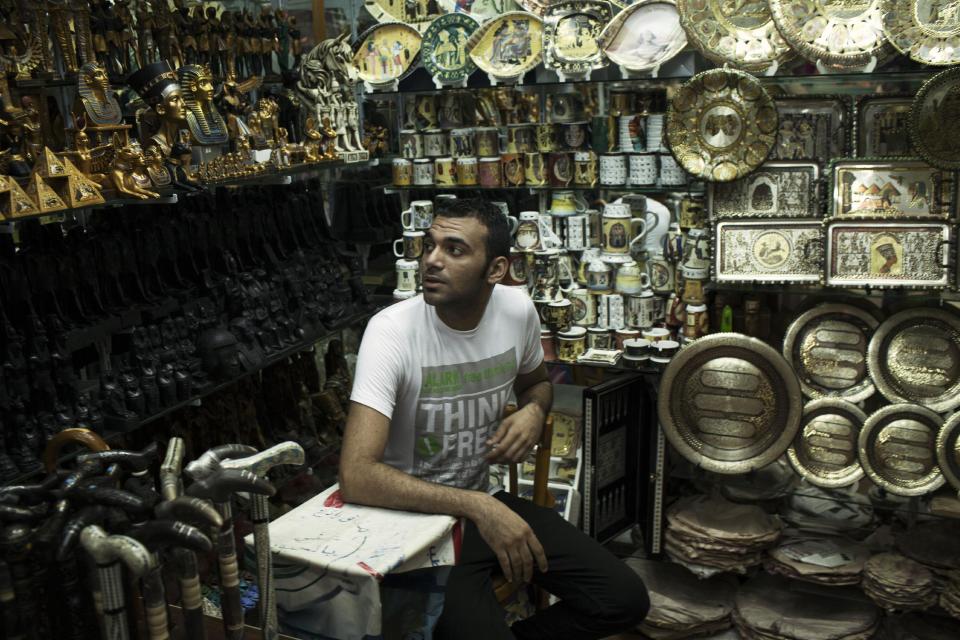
<point>599,594</point>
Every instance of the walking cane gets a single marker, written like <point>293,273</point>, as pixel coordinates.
<point>80,622</point>
<point>108,552</point>
<point>201,514</point>
<point>219,487</point>
<point>156,536</point>
<point>260,464</point>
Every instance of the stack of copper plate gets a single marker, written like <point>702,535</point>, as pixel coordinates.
<point>682,606</point>
<point>935,545</point>
<point>822,560</point>
<point>950,598</point>
<point>897,583</point>
<point>919,626</point>
<point>714,533</point>
<point>777,608</point>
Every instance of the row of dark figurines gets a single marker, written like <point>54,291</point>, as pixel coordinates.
<point>105,325</point>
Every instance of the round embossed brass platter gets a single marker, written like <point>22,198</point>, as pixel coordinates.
<point>838,33</point>
<point>386,52</point>
<point>897,448</point>
<point>508,46</point>
<point>737,32</point>
<point>444,50</point>
<point>825,448</point>
<point>827,346</point>
<point>914,356</point>
<point>926,30</point>
<point>729,403</point>
<point>414,14</point>
<point>933,120</point>
<point>721,125</point>
<point>644,35</point>
<point>948,451</point>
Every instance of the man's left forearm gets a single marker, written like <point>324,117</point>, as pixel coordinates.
<point>538,396</point>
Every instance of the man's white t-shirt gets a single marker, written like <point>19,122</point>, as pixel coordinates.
<point>444,390</point>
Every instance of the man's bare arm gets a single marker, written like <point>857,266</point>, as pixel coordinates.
<point>519,432</point>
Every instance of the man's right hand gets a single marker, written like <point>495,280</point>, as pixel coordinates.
<point>511,538</point>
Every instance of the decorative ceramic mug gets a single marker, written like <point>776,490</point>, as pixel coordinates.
<point>546,137</point>
<point>697,322</point>
<point>643,169</point>
<point>402,172</point>
<point>487,140</point>
<point>533,169</point>
<point>559,168</point>
<point>583,307</point>
<point>411,144</point>
<point>462,143</point>
<point>467,171</point>
<point>518,269</point>
<point>549,344</point>
<point>574,135</point>
<point>505,210</point>
<point>671,173</point>
<point>613,169</point>
<point>619,229</point>
<point>610,311</point>
<point>632,131</point>
<point>571,344</point>
<point>631,279</point>
<point>566,203</point>
<point>599,338</point>
<point>662,274</point>
<point>435,143</point>
<point>558,313</point>
<point>418,217</point>
<point>696,255</point>
<point>599,277</point>
<point>655,132</point>
<point>528,231</point>
<point>585,168</point>
<point>410,246</point>
<point>423,172</point>
<point>408,274</point>
<point>444,172</point>
<point>491,175</point>
<point>512,169</point>
<point>520,138</point>
<point>565,107</point>
<point>577,232</point>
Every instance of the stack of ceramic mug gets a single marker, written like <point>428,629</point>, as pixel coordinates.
<point>416,219</point>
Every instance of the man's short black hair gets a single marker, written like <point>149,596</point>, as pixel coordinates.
<point>498,231</point>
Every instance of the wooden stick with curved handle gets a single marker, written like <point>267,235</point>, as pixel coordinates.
<point>111,553</point>
<point>260,464</point>
<point>85,437</point>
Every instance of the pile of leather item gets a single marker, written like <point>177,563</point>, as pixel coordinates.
<point>821,560</point>
<point>707,534</point>
<point>935,545</point>
<point>897,583</point>
<point>681,605</point>
<point>777,608</point>
<point>950,598</point>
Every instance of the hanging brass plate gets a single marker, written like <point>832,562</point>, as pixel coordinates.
<point>825,449</point>
<point>729,403</point>
<point>898,449</point>
<point>914,356</point>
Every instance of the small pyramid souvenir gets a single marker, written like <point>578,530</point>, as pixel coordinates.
<point>81,191</point>
<point>43,194</point>
<point>14,201</point>
<point>50,166</point>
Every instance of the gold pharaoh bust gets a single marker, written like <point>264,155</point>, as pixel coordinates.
<point>207,126</point>
<point>99,106</point>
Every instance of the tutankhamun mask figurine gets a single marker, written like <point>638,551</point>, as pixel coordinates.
<point>157,84</point>
<point>207,126</point>
<point>96,110</point>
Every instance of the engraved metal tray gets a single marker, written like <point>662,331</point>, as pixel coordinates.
<point>768,251</point>
<point>928,32</point>
<point>890,188</point>
<point>897,449</point>
<point>812,128</point>
<point>741,34</point>
<point>888,254</point>
<point>825,449</point>
<point>838,33</point>
<point>933,120</point>
<point>882,127</point>
<point>948,450</point>
<point>827,346</point>
<point>775,190</point>
<point>729,403</point>
<point>571,31</point>
<point>914,356</point>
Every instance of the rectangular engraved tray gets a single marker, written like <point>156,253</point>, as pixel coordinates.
<point>768,251</point>
<point>887,254</point>
<point>775,190</point>
<point>891,189</point>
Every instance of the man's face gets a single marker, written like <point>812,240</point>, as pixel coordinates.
<point>454,262</point>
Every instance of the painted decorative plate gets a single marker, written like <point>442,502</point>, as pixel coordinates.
<point>898,449</point>
<point>644,35</point>
<point>570,36</point>
<point>825,449</point>
<point>729,403</point>
<point>417,14</point>
<point>838,33</point>
<point>721,125</point>
<point>444,51</point>
<point>386,52</point>
<point>481,10</point>
<point>914,356</point>
<point>508,46</point>
<point>926,30</point>
<point>933,120</point>
<point>738,32</point>
<point>827,346</point>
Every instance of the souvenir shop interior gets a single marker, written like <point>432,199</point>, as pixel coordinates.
<point>735,219</point>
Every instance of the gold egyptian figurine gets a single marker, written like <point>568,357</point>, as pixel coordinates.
<point>207,126</point>
<point>96,103</point>
<point>157,85</point>
<point>314,139</point>
<point>156,168</point>
<point>128,174</point>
